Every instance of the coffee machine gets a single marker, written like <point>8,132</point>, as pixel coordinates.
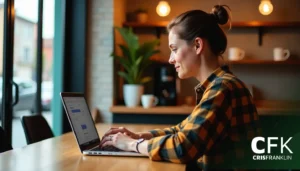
<point>165,85</point>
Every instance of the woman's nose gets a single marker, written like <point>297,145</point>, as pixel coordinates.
<point>172,59</point>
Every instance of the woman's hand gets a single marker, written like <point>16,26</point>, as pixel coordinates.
<point>123,131</point>
<point>120,141</point>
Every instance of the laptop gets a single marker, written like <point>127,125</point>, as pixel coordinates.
<point>84,128</point>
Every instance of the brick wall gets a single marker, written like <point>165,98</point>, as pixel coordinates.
<point>102,16</point>
<point>99,64</point>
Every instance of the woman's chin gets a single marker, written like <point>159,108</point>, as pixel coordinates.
<point>182,75</point>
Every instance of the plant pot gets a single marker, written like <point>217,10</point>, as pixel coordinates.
<point>142,17</point>
<point>132,94</point>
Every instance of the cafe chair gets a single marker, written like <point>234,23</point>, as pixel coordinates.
<point>36,128</point>
<point>4,145</point>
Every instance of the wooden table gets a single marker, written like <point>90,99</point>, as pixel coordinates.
<point>62,153</point>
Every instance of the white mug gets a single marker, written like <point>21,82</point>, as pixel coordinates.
<point>236,54</point>
<point>149,100</point>
<point>281,54</point>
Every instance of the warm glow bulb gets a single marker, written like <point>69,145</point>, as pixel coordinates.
<point>163,8</point>
<point>265,7</point>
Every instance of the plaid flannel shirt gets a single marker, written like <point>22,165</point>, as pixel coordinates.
<point>218,133</point>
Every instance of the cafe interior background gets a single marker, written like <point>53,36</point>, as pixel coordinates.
<point>80,60</point>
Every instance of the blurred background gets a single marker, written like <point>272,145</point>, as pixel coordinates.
<point>78,38</point>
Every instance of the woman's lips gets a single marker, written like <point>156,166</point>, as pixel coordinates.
<point>177,68</point>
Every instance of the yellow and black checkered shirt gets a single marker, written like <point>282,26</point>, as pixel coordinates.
<point>218,133</point>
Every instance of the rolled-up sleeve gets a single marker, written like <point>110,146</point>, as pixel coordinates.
<point>167,131</point>
<point>205,126</point>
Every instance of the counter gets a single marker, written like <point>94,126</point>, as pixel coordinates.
<point>277,118</point>
<point>263,108</point>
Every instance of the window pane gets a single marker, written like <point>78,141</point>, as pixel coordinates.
<point>48,35</point>
<point>25,50</point>
<point>24,73</point>
<point>1,50</point>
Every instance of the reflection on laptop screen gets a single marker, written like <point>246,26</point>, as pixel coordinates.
<point>83,124</point>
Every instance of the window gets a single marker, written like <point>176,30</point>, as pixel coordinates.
<point>26,55</point>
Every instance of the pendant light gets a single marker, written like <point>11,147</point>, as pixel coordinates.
<point>163,8</point>
<point>265,7</point>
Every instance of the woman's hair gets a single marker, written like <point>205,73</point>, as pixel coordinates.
<point>197,23</point>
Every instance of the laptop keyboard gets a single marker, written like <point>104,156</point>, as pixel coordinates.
<point>106,148</point>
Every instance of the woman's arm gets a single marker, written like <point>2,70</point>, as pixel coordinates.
<point>167,131</point>
<point>126,143</point>
<point>146,135</point>
<point>207,124</point>
<point>141,148</point>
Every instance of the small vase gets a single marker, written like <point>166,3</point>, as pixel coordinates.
<point>132,94</point>
<point>142,17</point>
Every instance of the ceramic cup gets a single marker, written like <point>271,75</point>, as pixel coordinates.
<point>236,54</point>
<point>149,100</point>
<point>280,54</point>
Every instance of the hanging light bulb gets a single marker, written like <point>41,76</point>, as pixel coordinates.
<point>163,8</point>
<point>265,7</point>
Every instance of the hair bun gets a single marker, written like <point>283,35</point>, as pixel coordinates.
<point>220,14</point>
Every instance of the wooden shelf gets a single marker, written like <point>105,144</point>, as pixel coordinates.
<point>265,24</point>
<point>263,108</point>
<point>254,24</point>
<point>172,110</point>
<point>266,62</point>
<point>148,24</point>
<point>249,62</point>
<point>159,26</point>
<point>233,24</point>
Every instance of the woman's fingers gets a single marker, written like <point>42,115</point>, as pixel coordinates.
<point>108,143</point>
<point>119,140</point>
<point>109,131</point>
<point>105,139</point>
<point>116,130</point>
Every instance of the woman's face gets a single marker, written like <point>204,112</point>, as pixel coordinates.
<point>183,56</point>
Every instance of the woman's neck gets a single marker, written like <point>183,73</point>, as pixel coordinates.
<point>207,66</point>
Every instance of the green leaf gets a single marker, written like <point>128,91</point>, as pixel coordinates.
<point>126,77</point>
<point>136,68</point>
<point>147,49</point>
<point>125,50</point>
<point>132,73</point>
<point>124,62</point>
<point>143,67</point>
<point>129,37</point>
<point>136,57</point>
<point>131,40</point>
<point>138,61</point>
<point>150,45</point>
<point>145,79</point>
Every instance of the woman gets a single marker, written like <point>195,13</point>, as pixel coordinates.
<point>219,131</point>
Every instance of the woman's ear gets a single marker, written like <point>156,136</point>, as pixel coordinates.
<point>198,45</point>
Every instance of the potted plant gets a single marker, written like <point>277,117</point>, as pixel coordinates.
<point>135,59</point>
<point>141,15</point>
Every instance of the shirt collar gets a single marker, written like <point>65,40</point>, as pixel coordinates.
<point>201,87</point>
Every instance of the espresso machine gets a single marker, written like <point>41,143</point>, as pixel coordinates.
<point>165,85</point>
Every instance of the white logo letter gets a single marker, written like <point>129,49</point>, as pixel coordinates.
<point>271,145</point>
<point>284,145</point>
<point>254,145</point>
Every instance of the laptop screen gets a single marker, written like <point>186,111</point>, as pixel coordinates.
<point>81,119</point>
